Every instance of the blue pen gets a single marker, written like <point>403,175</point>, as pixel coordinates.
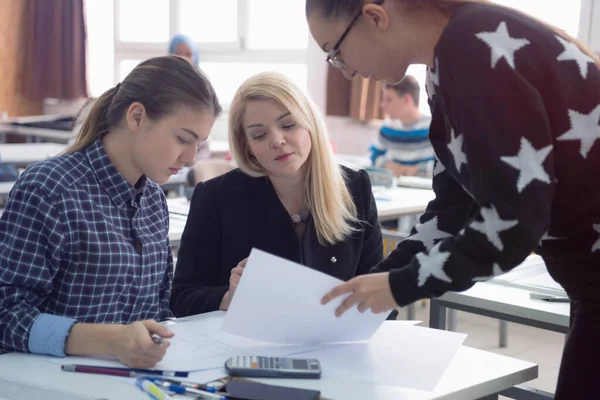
<point>191,385</point>
<point>199,394</point>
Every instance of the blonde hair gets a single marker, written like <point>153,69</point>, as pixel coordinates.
<point>326,193</point>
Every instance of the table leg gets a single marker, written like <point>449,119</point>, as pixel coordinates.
<point>437,315</point>
<point>452,320</point>
<point>503,327</point>
<point>410,312</point>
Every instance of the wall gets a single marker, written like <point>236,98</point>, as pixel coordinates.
<point>11,61</point>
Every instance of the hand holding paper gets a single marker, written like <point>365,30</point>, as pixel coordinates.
<point>279,301</point>
<point>369,292</point>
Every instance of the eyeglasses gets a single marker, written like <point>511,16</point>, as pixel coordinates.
<point>332,57</point>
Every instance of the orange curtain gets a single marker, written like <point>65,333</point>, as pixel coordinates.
<point>358,98</point>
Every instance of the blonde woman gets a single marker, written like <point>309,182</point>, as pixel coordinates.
<point>289,197</point>
<point>515,129</point>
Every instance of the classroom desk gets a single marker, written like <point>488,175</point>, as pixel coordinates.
<point>28,153</point>
<point>5,188</point>
<point>392,203</point>
<point>507,304</point>
<point>473,374</point>
<point>32,135</point>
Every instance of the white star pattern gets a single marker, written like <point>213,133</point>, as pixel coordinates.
<point>495,272</point>
<point>492,225</point>
<point>428,233</point>
<point>502,45</point>
<point>529,163</point>
<point>455,146</point>
<point>432,264</point>
<point>585,128</point>
<point>438,168</point>
<point>596,245</point>
<point>574,53</point>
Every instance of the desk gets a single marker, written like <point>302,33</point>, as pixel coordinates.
<point>176,226</point>
<point>507,304</point>
<point>473,374</point>
<point>392,203</point>
<point>34,134</point>
<point>5,188</point>
<point>28,153</point>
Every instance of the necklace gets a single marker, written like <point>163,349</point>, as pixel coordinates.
<point>301,216</point>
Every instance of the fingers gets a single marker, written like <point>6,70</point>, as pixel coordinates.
<point>338,291</point>
<point>243,262</point>
<point>159,329</point>
<point>348,303</point>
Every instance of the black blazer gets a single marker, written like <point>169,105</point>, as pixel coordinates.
<point>231,214</point>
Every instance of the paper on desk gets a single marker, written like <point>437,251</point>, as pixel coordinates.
<point>397,355</point>
<point>279,301</point>
<point>200,345</point>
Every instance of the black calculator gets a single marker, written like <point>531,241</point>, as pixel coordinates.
<point>273,367</point>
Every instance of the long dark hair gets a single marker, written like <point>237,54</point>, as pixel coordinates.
<point>159,84</point>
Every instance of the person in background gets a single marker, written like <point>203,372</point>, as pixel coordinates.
<point>185,47</point>
<point>289,197</point>
<point>402,145</point>
<point>85,262</point>
<point>516,131</point>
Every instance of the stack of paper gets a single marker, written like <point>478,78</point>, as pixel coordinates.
<point>531,275</point>
<point>276,311</point>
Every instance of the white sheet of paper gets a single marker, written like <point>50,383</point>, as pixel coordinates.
<point>279,301</point>
<point>397,355</point>
<point>200,345</point>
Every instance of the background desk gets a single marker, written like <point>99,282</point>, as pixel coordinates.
<point>507,304</point>
<point>24,154</point>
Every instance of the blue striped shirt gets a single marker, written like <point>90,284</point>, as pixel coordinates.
<point>404,144</point>
<point>79,243</point>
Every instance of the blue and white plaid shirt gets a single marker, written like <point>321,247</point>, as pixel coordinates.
<point>79,243</point>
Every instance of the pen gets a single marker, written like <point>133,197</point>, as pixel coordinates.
<point>198,394</point>
<point>156,338</point>
<point>190,385</point>
<point>130,372</point>
<point>151,389</point>
<point>549,298</point>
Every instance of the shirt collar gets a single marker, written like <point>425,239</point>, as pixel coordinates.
<point>111,180</point>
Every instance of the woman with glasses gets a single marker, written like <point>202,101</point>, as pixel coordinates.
<point>515,129</point>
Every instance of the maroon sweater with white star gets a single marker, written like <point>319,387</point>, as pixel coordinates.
<point>516,114</point>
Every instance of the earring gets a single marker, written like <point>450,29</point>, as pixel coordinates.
<point>251,154</point>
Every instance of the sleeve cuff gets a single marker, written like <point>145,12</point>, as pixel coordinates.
<point>49,334</point>
<point>403,284</point>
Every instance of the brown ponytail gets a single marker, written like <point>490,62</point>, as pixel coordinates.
<point>159,84</point>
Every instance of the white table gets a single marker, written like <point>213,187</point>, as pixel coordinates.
<point>28,153</point>
<point>506,304</point>
<point>392,203</point>
<point>473,374</point>
<point>34,134</point>
<point>5,188</point>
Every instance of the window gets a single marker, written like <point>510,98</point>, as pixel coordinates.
<point>235,38</point>
<point>143,21</point>
<point>277,25</point>
<point>210,22</point>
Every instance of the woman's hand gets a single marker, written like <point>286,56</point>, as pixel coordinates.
<point>134,347</point>
<point>234,280</point>
<point>368,292</point>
